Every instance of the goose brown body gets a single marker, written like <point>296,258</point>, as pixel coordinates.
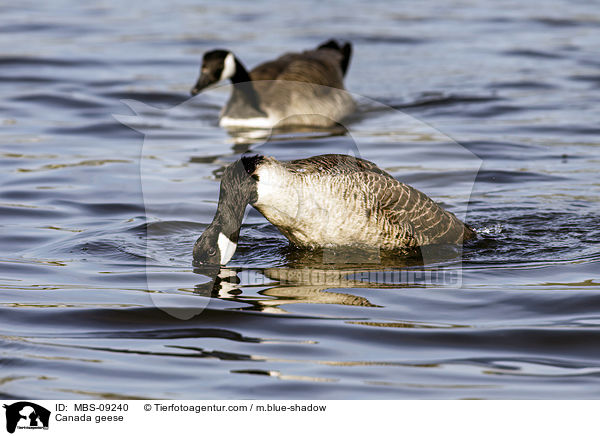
<point>338,200</point>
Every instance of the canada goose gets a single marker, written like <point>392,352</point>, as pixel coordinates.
<point>331,200</point>
<point>295,89</point>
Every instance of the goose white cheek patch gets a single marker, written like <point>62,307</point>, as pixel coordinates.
<point>226,248</point>
<point>228,67</point>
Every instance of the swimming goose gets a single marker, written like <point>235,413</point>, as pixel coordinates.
<point>325,201</point>
<point>295,89</point>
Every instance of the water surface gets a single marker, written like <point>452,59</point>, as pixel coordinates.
<point>98,219</point>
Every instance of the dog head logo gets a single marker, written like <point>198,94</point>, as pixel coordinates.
<point>26,415</point>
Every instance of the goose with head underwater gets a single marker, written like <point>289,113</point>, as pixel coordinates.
<point>327,201</point>
<point>304,88</point>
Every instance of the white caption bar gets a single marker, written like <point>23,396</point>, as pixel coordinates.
<point>158,417</point>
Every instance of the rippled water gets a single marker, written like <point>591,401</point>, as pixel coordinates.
<point>98,218</point>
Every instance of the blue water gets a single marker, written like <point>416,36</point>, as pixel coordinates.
<point>490,109</point>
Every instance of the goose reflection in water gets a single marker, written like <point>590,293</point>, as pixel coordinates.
<point>293,289</point>
<point>310,277</point>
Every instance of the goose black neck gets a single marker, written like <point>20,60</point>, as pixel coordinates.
<point>243,89</point>
<point>241,74</point>
<point>238,189</point>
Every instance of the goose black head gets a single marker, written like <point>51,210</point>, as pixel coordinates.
<point>217,65</point>
<point>214,247</point>
<point>218,243</point>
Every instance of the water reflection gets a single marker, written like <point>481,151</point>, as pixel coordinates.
<point>302,282</point>
<point>247,136</point>
<point>293,286</point>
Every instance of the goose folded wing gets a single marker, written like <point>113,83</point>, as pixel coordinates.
<point>415,216</point>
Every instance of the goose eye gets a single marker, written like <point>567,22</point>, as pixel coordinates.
<point>212,251</point>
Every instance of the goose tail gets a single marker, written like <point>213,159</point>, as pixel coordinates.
<point>345,50</point>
